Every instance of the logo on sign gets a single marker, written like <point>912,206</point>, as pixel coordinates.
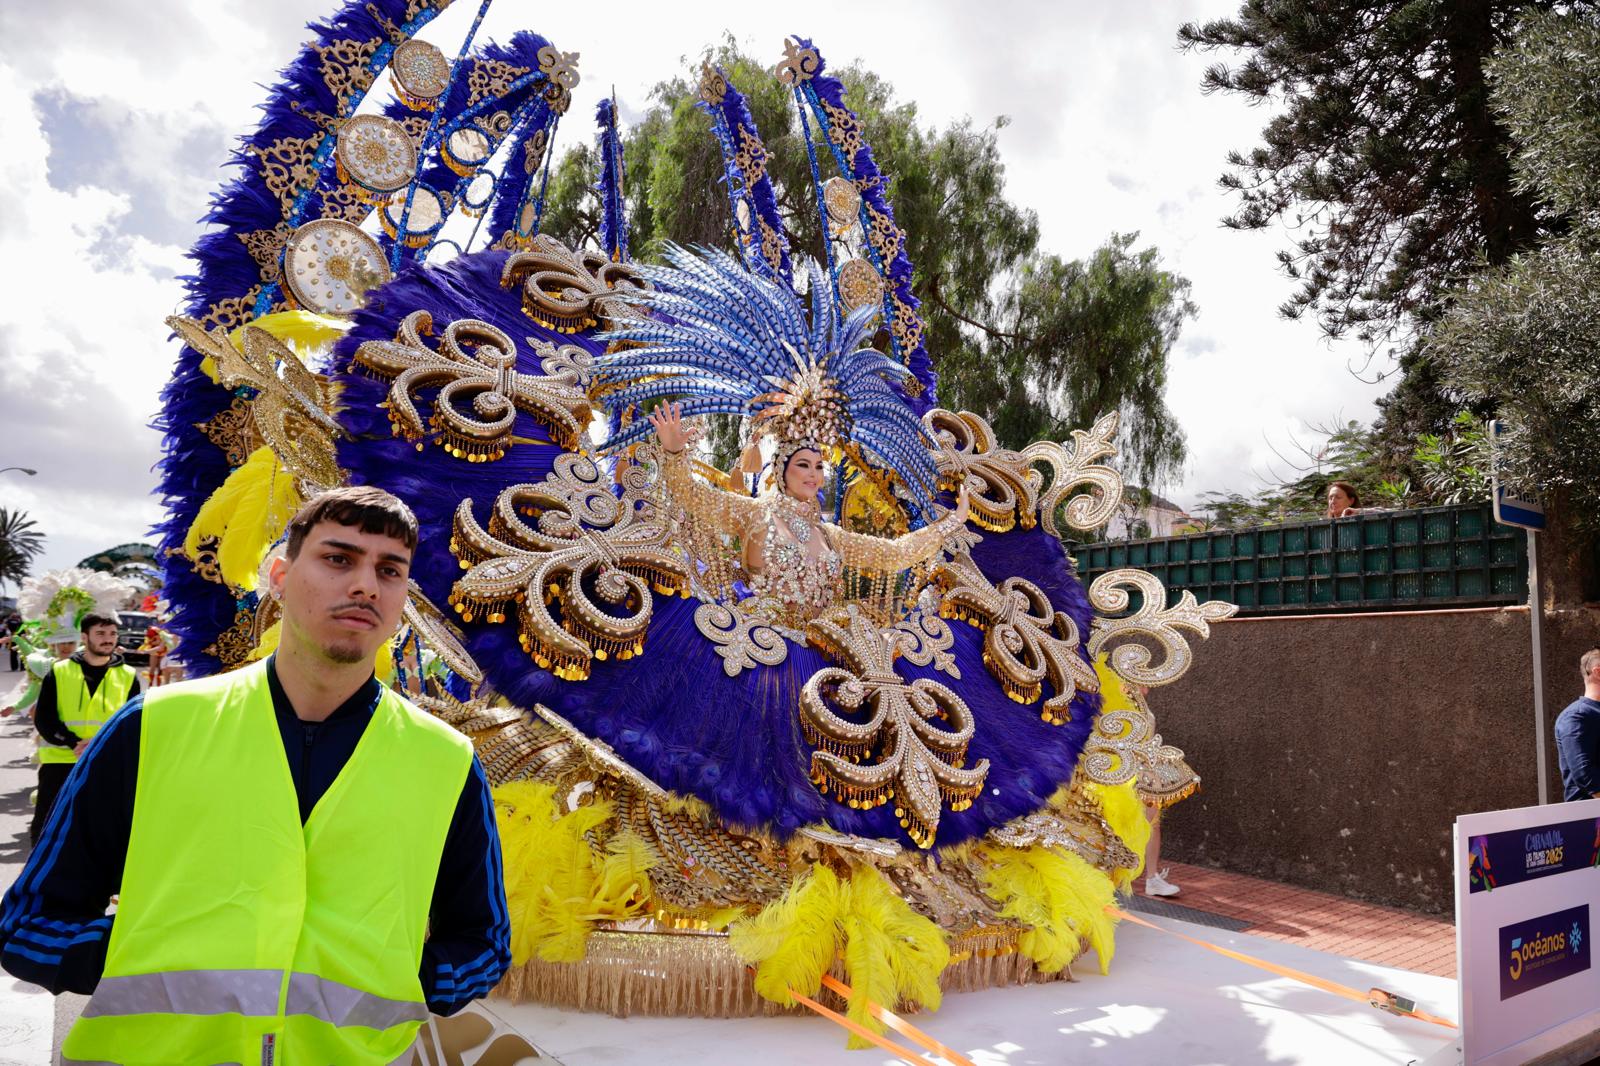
<point>1544,949</point>
<point>1543,849</point>
<point>1513,856</point>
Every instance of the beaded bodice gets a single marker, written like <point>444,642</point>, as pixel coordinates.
<point>806,565</point>
<point>800,572</point>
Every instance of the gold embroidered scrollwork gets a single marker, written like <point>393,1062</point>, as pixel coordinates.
<point>1079,466</point>
<point>480,388</point>
<point>1025,640</point>
<point>742,641</point>
<point>204,561</point>
<point>798,64</point>
<point>569,291</point>
<point>490,77</point>
<point>562,70</point>
<point>925,639</point>
<point>1001,488</point>
<point>233,430</point>
<point>713,86</point>
<point>582,537</point>
<point>570,364</point>
<point>266,248</point>
<point>286,167</point>
<point>897,753</point>
<point>346,68</point>
<point>1161,774</point>
<point>291,407</point>
<point>1154,622</point>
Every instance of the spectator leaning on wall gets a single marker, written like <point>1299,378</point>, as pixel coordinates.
<point>1578,734</point>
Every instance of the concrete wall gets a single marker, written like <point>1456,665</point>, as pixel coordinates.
<point>1335,751</point>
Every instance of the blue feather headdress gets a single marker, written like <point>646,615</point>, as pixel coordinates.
<point>722,340</point>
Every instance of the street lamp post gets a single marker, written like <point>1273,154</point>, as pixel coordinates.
<point>24,469</point>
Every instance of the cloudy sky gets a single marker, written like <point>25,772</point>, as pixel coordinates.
<point>120,115</point>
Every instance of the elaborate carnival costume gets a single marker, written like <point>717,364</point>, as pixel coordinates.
<point>883,748</point>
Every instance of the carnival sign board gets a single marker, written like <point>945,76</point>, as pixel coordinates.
<point>1527,898</point>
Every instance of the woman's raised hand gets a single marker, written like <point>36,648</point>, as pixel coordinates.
<point>668,420</point>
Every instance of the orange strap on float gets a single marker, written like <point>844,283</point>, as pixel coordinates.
<point>1384,1001</point>
<point>888,1017</point>
<point>903,1053</point>
<point>900,1025</point>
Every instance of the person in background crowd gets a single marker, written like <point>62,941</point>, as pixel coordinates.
<point>77,698</point>
<point>1578,735</point>
<point>1343,500</point>
<point>312,864</point>
<point>8,630</point>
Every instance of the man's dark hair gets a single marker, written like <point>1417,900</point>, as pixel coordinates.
<point>94,618</point>
<point>365,507</point>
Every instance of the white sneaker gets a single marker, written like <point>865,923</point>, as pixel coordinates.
<point>1158,885</point>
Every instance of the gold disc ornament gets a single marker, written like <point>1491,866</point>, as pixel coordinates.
<point>330,264</point>
<point>842,202</point>
<point>859,284</point>
<point>420,73</point>
<point>375,156</point>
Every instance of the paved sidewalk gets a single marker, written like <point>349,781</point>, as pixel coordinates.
<point>1317,920</point>
<point>26,1011</point>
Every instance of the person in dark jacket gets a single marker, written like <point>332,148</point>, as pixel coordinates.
<point>76,698</point>
<point>1578,735</point>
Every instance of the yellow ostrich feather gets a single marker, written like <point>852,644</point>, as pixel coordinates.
<point>892,953</point>
<point>303,331</point>
<point>246,514</point>
<point>624,874</point>
<point>557,887</point>
<point>1059,897</point>
<point>793,941</point>
<point>1123,811</point>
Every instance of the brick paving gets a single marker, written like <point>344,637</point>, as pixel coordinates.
<point>1318,920</point>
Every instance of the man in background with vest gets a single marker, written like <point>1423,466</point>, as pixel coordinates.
<point>312,863</point>
<point>77,697</point>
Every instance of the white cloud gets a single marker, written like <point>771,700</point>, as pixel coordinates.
<point>1109,132</point>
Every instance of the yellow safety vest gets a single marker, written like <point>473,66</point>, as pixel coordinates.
<point>80,712</point>
<point>243,936</point>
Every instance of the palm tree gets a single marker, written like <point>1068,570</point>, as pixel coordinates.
<point>20,541</point>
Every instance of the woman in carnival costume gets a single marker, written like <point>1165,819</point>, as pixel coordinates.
<point>725,733</point>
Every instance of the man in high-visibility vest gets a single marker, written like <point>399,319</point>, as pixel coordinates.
<point>77,697</point>
<point>311,864</point>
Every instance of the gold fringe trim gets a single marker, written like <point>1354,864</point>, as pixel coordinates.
<point>698,975</point>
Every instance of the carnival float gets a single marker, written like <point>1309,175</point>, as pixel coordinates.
<point>852,719</point>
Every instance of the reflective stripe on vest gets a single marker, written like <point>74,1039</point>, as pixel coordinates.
<point>81,712</point>
<point>243,934</point>
<point>251,993</point>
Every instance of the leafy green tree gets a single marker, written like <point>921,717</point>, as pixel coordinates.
<point>1036,342</point>
<point>20,541</point>
<point>1386,152</point>
<point>1387,159</point>
<point>1524,337</point>
<point>1075,339</point>
<point>1456,464</point>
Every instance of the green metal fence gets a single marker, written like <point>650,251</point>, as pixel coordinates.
<point>1390,560</point>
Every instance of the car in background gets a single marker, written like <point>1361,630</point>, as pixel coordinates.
<point>132,628</point>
